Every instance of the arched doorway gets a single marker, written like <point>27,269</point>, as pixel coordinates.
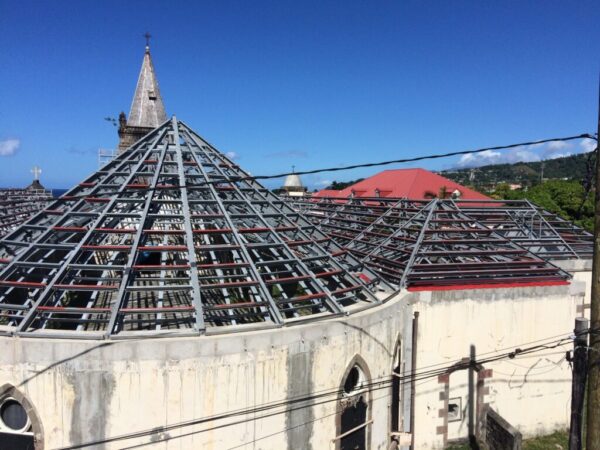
<point>354,407</point>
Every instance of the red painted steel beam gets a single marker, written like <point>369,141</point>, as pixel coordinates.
<point>487,286</point>
<point>302,298</point>
<point>235,305</point>
<point>477,281</point>
<point>329,273</point>
<point>154,310</point>
<point>348,289</point>
<point>73,229</point>
<point>287,279</point>
<point>160,267</point>
<point>116,230</point>
<point>106,247</point>
<point>222,265</point>
<point>69,309</point>
<point>212,231</point>
<point>162,248</point>
<point>22,284</point>
<point>228,284</point>
<point>174,232</point>
<point>87,287</point>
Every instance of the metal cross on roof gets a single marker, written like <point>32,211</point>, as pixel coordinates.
<point>147,36</point>
<point>36,171</point>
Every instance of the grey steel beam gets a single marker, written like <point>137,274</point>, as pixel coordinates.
<point>187,223</point>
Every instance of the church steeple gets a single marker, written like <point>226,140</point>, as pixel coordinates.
<point>147,108</point>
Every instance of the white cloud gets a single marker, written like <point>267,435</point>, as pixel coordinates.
<point>497,157</point>
<point>558,145</point>
<point>528,153</point>
<point>559,155</point>
<point>324,183</point>
<point>9,147</point>
<point>232,155</point>
<point>557,149</point>
<point>587,145</point>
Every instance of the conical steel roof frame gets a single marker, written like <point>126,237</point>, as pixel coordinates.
<point>18,205</point>
<point>442,246</point>
<point>169,238</point>
<point>543,233</point>
<point>347,219</point>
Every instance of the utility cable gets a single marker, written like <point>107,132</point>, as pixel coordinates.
<point>383,385</point>
<point>338,168</point>
<point>374,385</point>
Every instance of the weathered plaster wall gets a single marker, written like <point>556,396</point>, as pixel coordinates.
<point>581,270</point>
<point>532,392</point>
<point>87,391</point>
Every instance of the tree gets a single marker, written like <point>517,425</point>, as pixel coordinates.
<point>567,198</point>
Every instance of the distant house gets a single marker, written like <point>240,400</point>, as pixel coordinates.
<point>409,183</point>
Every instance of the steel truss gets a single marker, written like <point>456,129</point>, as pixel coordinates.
<point>443,242</point>
<point>18,205</point>
<point>166,239</point>
<point>346,219</point>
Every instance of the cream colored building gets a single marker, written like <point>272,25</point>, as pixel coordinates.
<point>248,389</point>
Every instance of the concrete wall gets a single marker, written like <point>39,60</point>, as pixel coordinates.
<point>581,270</point>
<point>86,391</point>
<point>532,391</point>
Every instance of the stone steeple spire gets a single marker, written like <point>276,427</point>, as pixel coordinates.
<point>147,108</point>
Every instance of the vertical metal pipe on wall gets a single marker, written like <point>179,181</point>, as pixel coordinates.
<point>413,372</point>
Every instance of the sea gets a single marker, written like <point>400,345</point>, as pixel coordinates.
<point>58,192</point>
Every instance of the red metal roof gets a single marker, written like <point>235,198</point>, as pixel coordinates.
<point>409,183</point>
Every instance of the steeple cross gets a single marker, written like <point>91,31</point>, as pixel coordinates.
<point>36,171</point>
<point>147,36</point>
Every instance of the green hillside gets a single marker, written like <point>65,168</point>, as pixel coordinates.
<point>524,173</point>
<point>563,190</point>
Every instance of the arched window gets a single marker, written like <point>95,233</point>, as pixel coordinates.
<point>354,407</point>
<point>396,401</point>
<point>20,427</point>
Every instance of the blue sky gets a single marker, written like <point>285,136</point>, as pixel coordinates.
<point>312,84</point>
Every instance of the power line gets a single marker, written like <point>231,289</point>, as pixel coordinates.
<point>381,385</point>
<point>336,169</point>
<point>323,417</point>
<point>422,158</point>
<point>374,385</point>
